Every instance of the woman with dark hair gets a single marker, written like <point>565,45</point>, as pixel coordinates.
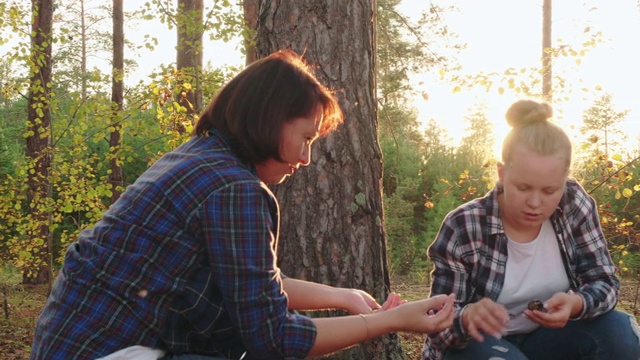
<point>528,262</point>
<point>183,265</point>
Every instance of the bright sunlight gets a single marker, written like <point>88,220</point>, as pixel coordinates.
<point>503,34</point>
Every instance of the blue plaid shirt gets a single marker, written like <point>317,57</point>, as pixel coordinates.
<point>470,256</point>
<point>185,261</point>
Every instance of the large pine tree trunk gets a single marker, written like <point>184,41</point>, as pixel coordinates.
<point>39,127</point>
<point>332,219</point>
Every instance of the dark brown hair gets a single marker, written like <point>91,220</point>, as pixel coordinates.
<point>252,108</point>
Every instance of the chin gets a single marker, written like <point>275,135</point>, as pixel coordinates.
<point>275,181</point>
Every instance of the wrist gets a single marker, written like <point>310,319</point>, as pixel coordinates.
<point>577,304</point>
<point>343,299</point>
<point>461,319</point>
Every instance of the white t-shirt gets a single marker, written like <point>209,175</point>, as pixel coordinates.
<point>534,272</point>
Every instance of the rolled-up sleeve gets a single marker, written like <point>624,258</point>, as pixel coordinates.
<point>599,284</point>
<point>449,276</point>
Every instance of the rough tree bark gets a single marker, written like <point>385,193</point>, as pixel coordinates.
<point>38,138</point>
<point>332,218</point>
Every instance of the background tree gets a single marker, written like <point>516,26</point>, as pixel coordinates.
<point>38,136</point>
<point>190,28</point>
<point>117,93</point>
<point>83,120</point>
<point>250,13</point>
<point>82,36</point>
<point>332,218</point>
<point>601,124</point>
<point>478,143</point>
<point>406,46</point>
<point>547,71</point>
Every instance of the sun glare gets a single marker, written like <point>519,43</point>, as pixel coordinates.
<point>512,38</point>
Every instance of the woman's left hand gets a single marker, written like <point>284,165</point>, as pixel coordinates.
<point>393,300</point>
<point>558,310</point>
<point>359,302</point>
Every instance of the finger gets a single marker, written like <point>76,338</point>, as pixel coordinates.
<point>488,319</point>
<point>474,333</point>
<point>396,300</point>
<point>392,301</point>
<point>372,302</point>
<point>442,320</point>
<point>388,304</point>
<point>438,301</point>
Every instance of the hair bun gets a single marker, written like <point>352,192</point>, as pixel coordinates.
<point>527,111</point>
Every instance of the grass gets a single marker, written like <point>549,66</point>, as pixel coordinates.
<point>24,303</point>
<point>21,305</point>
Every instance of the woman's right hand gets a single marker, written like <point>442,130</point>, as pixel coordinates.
<point>487,316</point>
<point>419,316</point>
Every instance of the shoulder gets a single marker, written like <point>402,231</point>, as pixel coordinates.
<point>576,199</point>
<point>476,219</point>
<point>576,203</point>
<point>203,162</point>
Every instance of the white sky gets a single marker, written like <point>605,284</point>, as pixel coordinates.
<point>501,34</point>
<point>504,33</point>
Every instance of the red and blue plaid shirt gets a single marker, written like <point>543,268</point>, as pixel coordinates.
<point>185,261</point>
<point>469,256</point>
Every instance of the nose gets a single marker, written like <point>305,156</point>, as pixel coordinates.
<point>534,200</point>
<point>305,157</point>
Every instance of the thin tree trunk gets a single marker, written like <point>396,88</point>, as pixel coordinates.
<point>546,52</point>
<point>332,218</point>
<point>189,54</point>
<point>117,92</point>
<point>83,56</point>
<point>39,137</point>
<point>251,18</point>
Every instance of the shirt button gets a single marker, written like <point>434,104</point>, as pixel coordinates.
<point>143,293</point>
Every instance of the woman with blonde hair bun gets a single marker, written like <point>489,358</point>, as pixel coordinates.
<point>528,262</point>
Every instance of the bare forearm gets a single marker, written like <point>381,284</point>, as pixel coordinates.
<point>339,333</point>
<point>304,295</point>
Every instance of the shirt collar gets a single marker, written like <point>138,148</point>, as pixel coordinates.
<point>220,138</point>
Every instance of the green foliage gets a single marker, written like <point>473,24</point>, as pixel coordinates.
<point>613,179</point>
<point>477,145</point>
<point>424,176</point>
<point>82,119</point>
<point>402,241</point>
<point>405,47</point>
<point>223,20</point>
<point>626,258</point>
<point>11,146</point>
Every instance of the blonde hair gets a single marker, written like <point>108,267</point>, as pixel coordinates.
<point>530,126</point>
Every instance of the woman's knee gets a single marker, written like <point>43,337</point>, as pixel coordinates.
<point>617,335</point>
<point>490,348</point>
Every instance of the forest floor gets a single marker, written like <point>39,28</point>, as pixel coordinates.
<point>22,304</point>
